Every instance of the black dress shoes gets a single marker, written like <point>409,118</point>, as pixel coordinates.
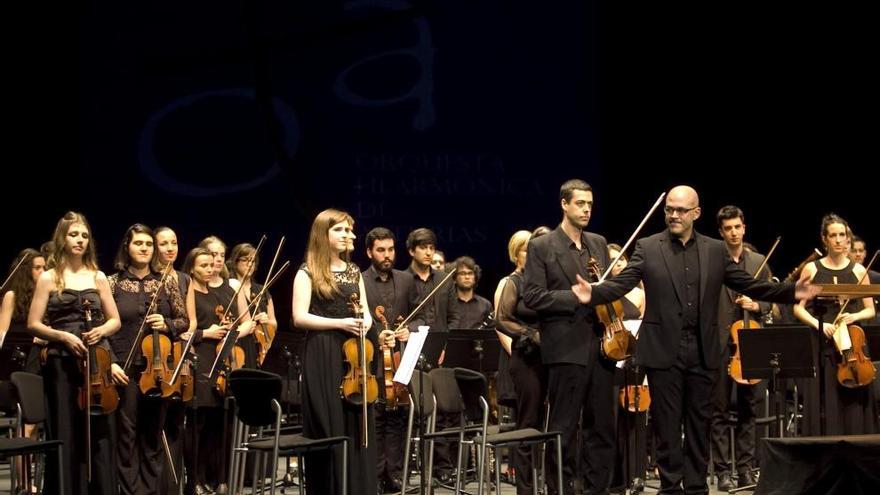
<point>746,478</point>
<point>725,482</point>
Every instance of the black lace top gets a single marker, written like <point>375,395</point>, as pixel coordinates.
<point>338,306</point>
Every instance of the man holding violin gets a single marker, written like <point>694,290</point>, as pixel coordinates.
<point>731,307</point>
<point>395,291</point>
<point>578,377</point>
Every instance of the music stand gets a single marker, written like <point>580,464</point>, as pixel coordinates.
<point>473,349</point>
<point>220,360</point>
<point>435,344</point>
<point>778,353</point>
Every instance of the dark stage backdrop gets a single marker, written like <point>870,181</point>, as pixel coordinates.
<point>243,118</point>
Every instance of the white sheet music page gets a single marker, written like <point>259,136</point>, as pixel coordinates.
<point>411,355</point>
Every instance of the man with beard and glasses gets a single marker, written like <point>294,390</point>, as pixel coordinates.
<point>395,291</point>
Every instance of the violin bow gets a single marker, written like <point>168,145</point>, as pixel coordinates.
<point>268,274</point>
<point>140,331</point>
<point>250,264</point>
<point>426,299</point>
<point>12,273</point>
<point>767,258</point>
<point>632,237</point>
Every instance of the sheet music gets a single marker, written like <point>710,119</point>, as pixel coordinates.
<point>411,355</point>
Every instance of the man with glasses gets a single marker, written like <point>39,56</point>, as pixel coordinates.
<point>473,309</point>
<point>679,342</point>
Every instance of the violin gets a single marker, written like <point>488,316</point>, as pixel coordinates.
<point>98,393</point>
<point>359,385</point>
<point>185,383</point>
<point>155,379</point>
<point>617,342</point>
<point>734,368</point>
<point>635,398</point>
<point>854,368</point>
<point>264,334</point>
<point>395,393</point>
<point>234,361</point>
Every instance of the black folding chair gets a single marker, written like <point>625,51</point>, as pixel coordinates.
<point>474,389</point>
<point>257,406</point>
<point>419,386</point>
<point>32,410</point>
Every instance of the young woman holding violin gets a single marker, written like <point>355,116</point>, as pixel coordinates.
<point>153,306</point>
<point>166,251</point>
<point>206,458</point>
<point>68,300</point>
<point>848,411</point>
<point>243,262</point>
<point>322,290</point>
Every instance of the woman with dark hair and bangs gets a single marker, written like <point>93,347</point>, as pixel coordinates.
<point>322,291</point>
<point>57,316</point>
<point>141,414</point>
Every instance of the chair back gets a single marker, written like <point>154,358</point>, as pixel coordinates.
<point>29,390</point>
<point>472,385</point>
<point>446,391</point>
<point>254,391</point>
<point>422,380</point>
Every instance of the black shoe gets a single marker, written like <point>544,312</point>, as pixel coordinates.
<point>746,478</point>
<point>202,489</point>
<point>393,485</point>
<point>725,482</point>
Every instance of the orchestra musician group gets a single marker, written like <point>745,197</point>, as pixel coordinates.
<point>586,327</point>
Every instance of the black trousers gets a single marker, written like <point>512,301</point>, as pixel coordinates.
<point>390,433</point>
<point>682,396</point>
<point>139,451</point>
<point>590,388</point>
<point>747,402</point>
<point>530,385</point>
<point>66,422</point>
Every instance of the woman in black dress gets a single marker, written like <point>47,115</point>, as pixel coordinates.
<point>166,251</point>
<point>139,420</point>
<point>57,316</point>
<point>322,290</point>
<point>848,411</point>
<point>520,335</point>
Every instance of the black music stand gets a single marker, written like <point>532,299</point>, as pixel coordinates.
<point>778,353</point>
<point>435,344</point>
<point>477,350</point>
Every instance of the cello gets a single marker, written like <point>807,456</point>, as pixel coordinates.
<point>734,368</point>
<point>395,393</point>
<point>359,385</point>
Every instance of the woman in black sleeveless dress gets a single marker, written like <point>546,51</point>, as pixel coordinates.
<point>322,290</point>
<point>57,316</point>
<point>848,411</point>
<point>520,325</point>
